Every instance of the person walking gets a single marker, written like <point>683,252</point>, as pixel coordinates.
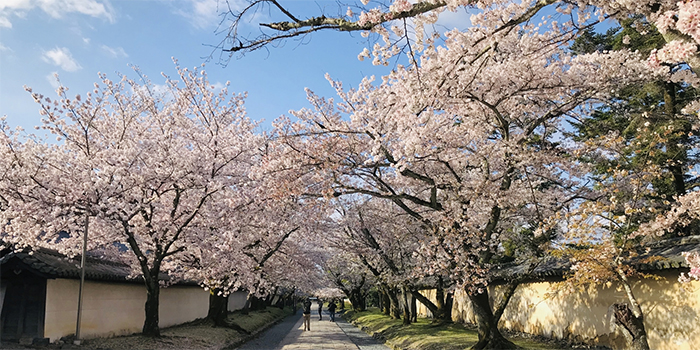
<point>320,308</point>
<point>307,314</point>
<point>331,310</point>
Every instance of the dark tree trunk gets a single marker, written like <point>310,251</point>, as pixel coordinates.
<point>150,325</point>
<point>395,308</point>
<point>246,307</point>
<point>386,303</point>
<point>446,311</point>
<point>487,325</point>
<point>439,314</point>
<point>633,325</point>
<point>357,299</point>
<point>406,307</point>
<point>218,312</point>
<point>218,308</point>
<point>414,308</point>
<point>257,303</point>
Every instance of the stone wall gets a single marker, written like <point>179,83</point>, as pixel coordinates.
<point>672,312</point>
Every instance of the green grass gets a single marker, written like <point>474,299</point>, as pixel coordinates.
<point>424,335</point>
<point>257,319</point>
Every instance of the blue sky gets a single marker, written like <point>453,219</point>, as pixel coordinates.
<point>79,38</point>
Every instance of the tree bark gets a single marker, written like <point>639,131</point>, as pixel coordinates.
<point>487,325</point>
<point>218,308</point>
<point>395,308</point>
<point>386,303</point>
<point>150,325</point>
<point>246,307</point>
<point>414,308</point>
<point>631,316</point>
<point>633,325</point>
<point>446,311</point>
<point>406,307</point>
<point>426,302</point>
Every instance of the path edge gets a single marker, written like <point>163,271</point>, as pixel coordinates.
<point>248,337</point>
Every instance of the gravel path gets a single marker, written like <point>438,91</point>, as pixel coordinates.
<point>271,338</point>
<point>288,335</point>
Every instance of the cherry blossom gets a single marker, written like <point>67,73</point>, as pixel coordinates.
<point>140,170</point>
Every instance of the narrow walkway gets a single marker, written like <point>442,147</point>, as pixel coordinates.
<point>324,335</point>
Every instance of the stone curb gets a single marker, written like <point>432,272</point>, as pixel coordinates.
<point>235,344</point>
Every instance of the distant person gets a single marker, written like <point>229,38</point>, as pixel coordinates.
<point>307,314</point>
<point>331,310</point>
<point>320,308</point>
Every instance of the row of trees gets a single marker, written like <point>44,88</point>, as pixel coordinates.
<point>501,139</point>
<point>170,182</point>
<point>498,143</point>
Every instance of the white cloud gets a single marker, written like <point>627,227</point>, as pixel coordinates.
<point>55,9</point>
<point>202,13</point>
<point>115,52</point>
<point>4,48</point>
<point>61,57</point>
<point>5,22</point>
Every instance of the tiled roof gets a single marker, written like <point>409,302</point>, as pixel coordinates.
<point>670,251</point>
<point>52,264</point>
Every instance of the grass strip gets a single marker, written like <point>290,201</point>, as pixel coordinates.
<point>424,335</point>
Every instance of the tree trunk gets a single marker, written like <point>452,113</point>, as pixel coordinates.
<point>633,325</point>
<point>150,325</point>
<point>631,316</point>
<point>386,303</point>
<point>446,311</point>
<point>487,325</point>
<point>357,300</point>
<point>432,307</point>
<point>395,308</point>
<point>406,307</point>
<point>414,308</point>
<point>218,308</point>
<point>246,307</point>
<point>380,296</point>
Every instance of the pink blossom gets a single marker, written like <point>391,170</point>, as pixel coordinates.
<point>665,21</point>
<point>374,16</point>
<point>676,51</point>
<point>400,6</point>
<point>689,18</point>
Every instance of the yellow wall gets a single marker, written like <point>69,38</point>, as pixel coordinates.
<point>111,309</point>
<point>672,312</point>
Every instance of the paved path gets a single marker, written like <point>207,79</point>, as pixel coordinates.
<point>324,335</point>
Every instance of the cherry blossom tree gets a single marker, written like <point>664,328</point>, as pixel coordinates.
<point>348,274</point>
<point>400,20</point>
<point>257,253</point>
<point>465,142</point>
<point>146,166</point>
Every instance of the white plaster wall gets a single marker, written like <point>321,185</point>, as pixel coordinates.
<point>236,300</point>
<point>111,309</point>
<point>180,304</point>
<point>672,312</point>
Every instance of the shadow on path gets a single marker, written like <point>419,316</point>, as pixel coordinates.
<point>288,335</point>
<point>271,338</point>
